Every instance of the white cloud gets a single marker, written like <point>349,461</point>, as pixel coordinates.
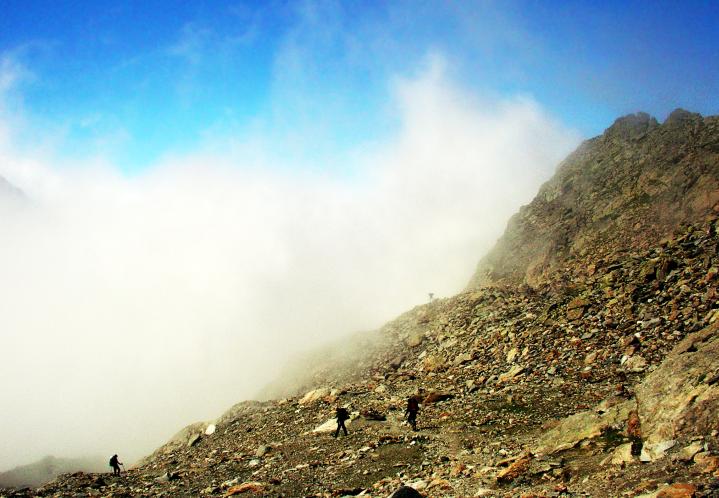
<point>11,72</point>
<point>191,44</point>
<point>133,306</point>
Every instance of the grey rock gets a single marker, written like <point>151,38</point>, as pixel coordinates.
<point>194,439</point>
<point>262,450</point>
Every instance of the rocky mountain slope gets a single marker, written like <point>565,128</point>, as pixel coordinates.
<point>626,189</point>
<point>601,378</point>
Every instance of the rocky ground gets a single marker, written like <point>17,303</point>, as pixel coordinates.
<point>526,392</point>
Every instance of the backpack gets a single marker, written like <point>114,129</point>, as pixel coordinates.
<point>412,404</point>
<point>342,414</point>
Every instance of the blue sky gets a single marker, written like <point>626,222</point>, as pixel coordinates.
<point>135,81</point>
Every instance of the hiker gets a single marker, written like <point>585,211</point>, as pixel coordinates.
<point>341,415</point>
<point>411,411</point>
<point>115,464</point>
<point>621,389</point>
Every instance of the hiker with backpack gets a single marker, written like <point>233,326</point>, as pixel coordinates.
<point>115,464</point>
<point>341,414</point>
<point>411,411</point>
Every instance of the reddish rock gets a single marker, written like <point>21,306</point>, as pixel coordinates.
<point>707,463</point>
<point>253,487</point>
<point>439,484</point>
<point>577,302</point>
<point>679,490</point>
<point>435,397</point>
<point>516,469</point>
<point>457,470</point>
<point>575,314</point>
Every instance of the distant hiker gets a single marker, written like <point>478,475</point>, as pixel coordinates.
<point>411,411</point>
<point>431,296</point>
<point>634,431</point>
<point>342,414</point>
<point>115,464</point>
<point>620,389</point>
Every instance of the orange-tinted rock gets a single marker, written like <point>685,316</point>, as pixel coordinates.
<point>516,469</point>
<point>577,302</point>
<point>575,314</point>
<point>679,490</point>
<point>440,483</point>
<point>707,463</point>
<point>436,397</point>
<point>245,487</point>
<point>457,470</point>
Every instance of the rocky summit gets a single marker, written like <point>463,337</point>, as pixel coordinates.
<point>582,360</point>
<point>624,190</point>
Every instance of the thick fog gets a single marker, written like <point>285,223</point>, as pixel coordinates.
<point>133,305</point>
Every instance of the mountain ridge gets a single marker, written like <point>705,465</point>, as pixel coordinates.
<point>48,468</point>
<point>627,188</point>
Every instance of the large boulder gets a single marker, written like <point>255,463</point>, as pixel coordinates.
<point>681,397</point>
<point>583,426</point>
<point>315,395</point>
<point>406,492</point>
<point>246,487</point>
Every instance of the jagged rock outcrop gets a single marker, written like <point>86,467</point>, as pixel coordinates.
<point>677,402</point>
<point>626,189</point>
<point>680,400</point>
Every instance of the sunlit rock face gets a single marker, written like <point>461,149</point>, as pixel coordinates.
<point>626,189</point>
